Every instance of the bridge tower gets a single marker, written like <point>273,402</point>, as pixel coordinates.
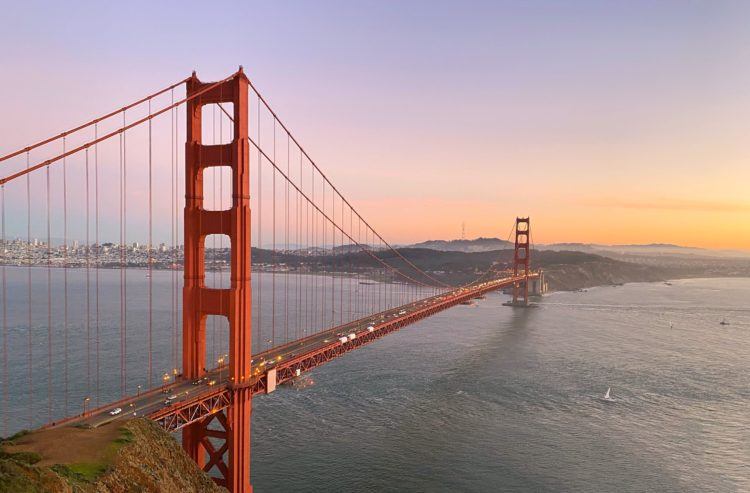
<point>231,427</point>
<point>521,259</point>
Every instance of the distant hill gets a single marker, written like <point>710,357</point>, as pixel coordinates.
<point>650,249</point>
<point>468,246</point>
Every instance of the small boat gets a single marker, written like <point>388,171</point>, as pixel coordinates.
<point>607,397</point>
<point>667,283</point>
<point>724,322</point>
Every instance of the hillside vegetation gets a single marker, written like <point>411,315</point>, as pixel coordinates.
<point>137,456</point>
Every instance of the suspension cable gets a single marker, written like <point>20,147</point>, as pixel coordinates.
<point>92,122</point>
<point>333,187</point>
<point>326,217</point>
<point>113,133</point>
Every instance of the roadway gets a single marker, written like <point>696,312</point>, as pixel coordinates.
<point>184,390</point>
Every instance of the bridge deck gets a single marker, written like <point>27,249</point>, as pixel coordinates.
<point>192,401</point>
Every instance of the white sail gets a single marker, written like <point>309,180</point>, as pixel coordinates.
<point>606,396</point>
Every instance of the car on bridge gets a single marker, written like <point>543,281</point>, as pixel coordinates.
<point>115,411</point>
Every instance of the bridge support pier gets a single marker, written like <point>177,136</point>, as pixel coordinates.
<point>220,442</point>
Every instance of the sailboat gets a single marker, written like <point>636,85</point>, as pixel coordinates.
<point>724,322</point>
<point>607,396</point>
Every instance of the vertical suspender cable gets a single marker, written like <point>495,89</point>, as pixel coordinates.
<point>286,244</point>
<point>65,274</point>
<point>381,286</point>
<point>341,277</point>
<point>177,296</point>
<point>28,253</point>
<point>357,286</point>
<point>150,247</point>
<point>88,286</point>
<point>260,235</point>
<point>298,249</point>
<point>323,249</point>
<point>314,237</point>
<point>49,301</point>
<point>213,264</point>
<point>122,308</point>
<point>334,258</point>
<point>273,243</point>
<point>172,202</point>
<point>310,279</point>
<point>349,254</point>
<point>98,254</point>
<point>302,250</point>
<point>5,319</point>
<point>125,254</point>
<point>221,237</point>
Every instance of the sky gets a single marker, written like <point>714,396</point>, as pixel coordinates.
<point>606,122</point>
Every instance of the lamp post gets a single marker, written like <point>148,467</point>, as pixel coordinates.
<point>165,379</point>
<point>139,391</point>
<point>85,402</point>
<point>220,361</point>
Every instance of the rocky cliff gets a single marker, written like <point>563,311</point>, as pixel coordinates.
<point>136,456</point>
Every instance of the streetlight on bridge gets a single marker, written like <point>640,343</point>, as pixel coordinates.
<point>220,361</point>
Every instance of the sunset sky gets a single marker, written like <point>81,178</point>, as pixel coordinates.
<point>607,122</point>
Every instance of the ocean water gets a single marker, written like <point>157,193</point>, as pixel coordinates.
<point>490,398</point>
<point>480,398</point>
<point>56,352</point>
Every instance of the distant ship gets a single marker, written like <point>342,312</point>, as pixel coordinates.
<point>667,283</point>
<point>724,322</point>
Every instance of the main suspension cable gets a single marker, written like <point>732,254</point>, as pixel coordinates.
<point>95,121</point>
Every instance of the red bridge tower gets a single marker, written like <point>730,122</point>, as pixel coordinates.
<point>231,426</point>
<point>521,259</point>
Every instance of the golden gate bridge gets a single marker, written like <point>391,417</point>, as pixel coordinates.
<point>98,327</point>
